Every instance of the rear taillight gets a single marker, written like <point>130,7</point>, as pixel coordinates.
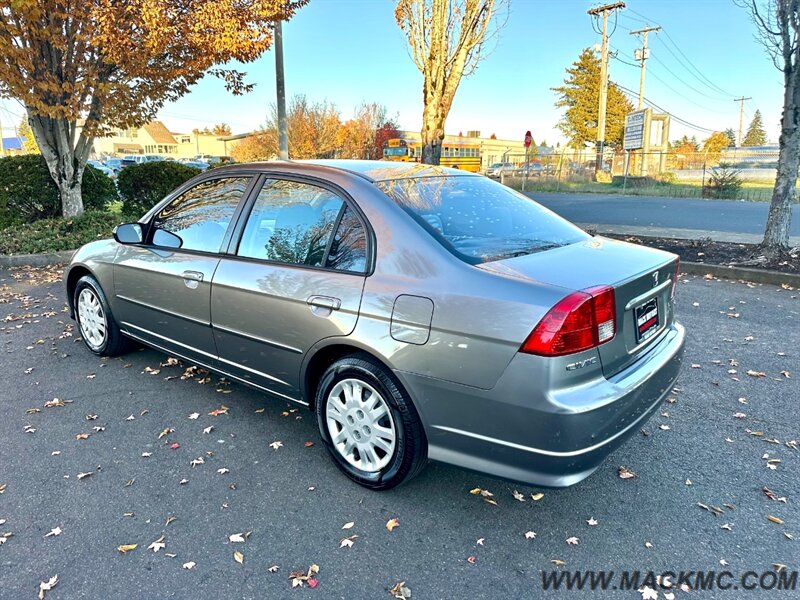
<point>675,281</point>
<point>580,321</point>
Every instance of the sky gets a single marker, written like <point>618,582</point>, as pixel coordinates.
<point>349,51</point>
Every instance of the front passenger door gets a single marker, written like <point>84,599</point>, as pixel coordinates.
<point>163,287</point>
<point>296,278</point>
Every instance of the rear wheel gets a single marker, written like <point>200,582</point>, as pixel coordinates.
<point>98,328</point>
<point>368,423</point>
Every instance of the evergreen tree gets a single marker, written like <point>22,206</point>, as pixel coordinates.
<point>756,134</point>
<point>731,134</point>
<point>580,95</point>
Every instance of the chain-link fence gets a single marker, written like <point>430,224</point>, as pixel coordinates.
<point>741,173</point>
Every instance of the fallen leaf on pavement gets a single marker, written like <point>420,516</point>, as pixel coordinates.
<point>276,445</point>
<point>348,541</point>
<point>273,569</point>
<point>46,586</point>
<point>82,475</point>
<point>572,541</point>
<point>775,519</point>
<point>591,521</point>
<point>238,557</point>
<point>55,531</point>
<point>236,538</point>
<point>530,535</point>
<point>752,373</point>
<point>124,548</point>
<point>400,591</point>
<point>157,545</point>
<point>189,565</point>
<point>518,496</point>
<point>557,562</point>
<point>537,496</point>
<point>392,523</point>
<point>625,473</point>
<point>348,525</point>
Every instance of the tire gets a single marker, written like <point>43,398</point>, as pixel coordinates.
<point>96,324</point>
<point>385,464</point>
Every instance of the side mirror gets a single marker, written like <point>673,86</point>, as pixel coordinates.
<point>129,233</point>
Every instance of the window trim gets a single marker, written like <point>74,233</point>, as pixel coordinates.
<point>151,215</point>
<point>347,201</point>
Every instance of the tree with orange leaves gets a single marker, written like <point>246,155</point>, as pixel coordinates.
<point>82,68</point>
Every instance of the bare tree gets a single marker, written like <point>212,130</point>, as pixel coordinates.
<point>447,39</point>
<point>778,25</point>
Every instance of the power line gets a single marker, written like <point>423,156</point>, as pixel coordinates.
<point>691,68</point>
<point>694,89</point>
<point>669,87</point>
<point>633,94</point>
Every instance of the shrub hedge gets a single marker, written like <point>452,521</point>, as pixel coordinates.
<point>142,186</point>
<point>52,235</point>
<point>28,193</point>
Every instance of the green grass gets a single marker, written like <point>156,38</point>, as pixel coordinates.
<point>53,235</point>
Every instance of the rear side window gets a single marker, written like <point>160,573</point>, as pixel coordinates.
<point>199,217</point>
<point>291,222</point>
<point>480,220</point>
<point>349,246</point>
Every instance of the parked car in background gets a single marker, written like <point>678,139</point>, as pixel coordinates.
<point>117,164</point>
<point>419,311</point>
<point>531,169</point>
<point>109,172</point>
<point>196,164</point>
<point>143,158</point>
<point>498,169</point>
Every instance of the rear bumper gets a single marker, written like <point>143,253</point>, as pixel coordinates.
<point>555,438</point>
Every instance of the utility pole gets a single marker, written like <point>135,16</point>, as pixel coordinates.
<point>603,10</point>
<point>741,118</point>
<point>283,130</point>
<point>643,54</point>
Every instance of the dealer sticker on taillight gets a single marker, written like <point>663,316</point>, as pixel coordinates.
<point>646,317</point>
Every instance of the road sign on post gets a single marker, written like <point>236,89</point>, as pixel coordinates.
<point>528,142</point>
<point>634,130</point>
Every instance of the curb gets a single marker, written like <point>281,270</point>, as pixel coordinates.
<point>741,273</point>
<point>36,260</point>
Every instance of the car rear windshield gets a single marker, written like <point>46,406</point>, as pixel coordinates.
<point>478,219</point>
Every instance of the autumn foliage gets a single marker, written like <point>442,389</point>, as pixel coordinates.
<point>114,63</point>
<point>317,131</point>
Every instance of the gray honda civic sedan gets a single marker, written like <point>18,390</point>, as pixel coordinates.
<point>420,312</point>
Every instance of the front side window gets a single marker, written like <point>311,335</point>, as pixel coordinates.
<point>480,220</point>
<point>291,222</point>
<point>199,217</point>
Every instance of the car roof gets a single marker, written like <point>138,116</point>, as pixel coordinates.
<point>371,170</point>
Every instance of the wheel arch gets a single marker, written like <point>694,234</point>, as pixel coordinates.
<point>73,276</point>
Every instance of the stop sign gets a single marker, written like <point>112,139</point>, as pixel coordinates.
<point>528,139</point>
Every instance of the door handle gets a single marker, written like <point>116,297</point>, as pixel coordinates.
<point>192,279</point>
<point>324,302</point>
<point>193,276</point>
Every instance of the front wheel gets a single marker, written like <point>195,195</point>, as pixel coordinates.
<point>368,424</point>
<point>99,330</point>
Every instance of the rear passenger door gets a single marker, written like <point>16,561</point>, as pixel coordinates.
<point>295,277</point>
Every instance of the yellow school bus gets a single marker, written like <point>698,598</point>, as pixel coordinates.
<point>465,155</point>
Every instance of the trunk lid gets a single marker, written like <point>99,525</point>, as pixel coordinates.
<point>642,279</point>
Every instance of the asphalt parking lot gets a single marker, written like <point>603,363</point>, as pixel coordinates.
<point>175,457</point>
